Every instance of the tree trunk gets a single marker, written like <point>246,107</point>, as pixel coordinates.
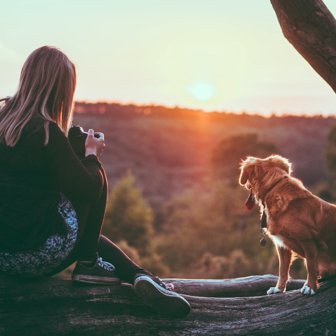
<point>59,307</point>
<point>310,27</point>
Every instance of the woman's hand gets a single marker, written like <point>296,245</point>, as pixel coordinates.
<point>94,145</point>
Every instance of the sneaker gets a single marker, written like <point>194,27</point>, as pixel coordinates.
<point>102,272</point>
<point>155,293</point>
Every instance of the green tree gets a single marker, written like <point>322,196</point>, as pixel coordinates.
<point>210,234</point>
<point>331,152</point>
<point>326,189</point>
<point>128,216</point>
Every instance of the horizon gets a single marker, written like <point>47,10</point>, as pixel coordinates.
<point>213,56</point>
<point>186,108</point>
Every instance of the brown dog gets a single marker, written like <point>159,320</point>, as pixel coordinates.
<point>298,222</point>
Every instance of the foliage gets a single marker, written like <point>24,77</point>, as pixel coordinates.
<point>129,222</point>
<point>230,151</point>
<point>128,216</point>
<point>169,149</point>
<point>205,233</point>
<point>326,189</point>
<point>201,227</point>
<point>209,233</point>
<point>331,153</point>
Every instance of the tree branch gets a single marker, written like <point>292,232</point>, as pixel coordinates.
<point>311,28</point>
<point>59,307</point>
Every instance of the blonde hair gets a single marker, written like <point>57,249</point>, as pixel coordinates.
<point>46,89</point>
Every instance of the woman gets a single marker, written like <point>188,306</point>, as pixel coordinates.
<point>53,197</point>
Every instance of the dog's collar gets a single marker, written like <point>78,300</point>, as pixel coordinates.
<point>263,219</point>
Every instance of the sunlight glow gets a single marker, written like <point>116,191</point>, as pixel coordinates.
<point>202,91</point>
<point>223,55</point>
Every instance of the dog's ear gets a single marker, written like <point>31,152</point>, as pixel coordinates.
<point>246,169</point>
<point>243,177</point>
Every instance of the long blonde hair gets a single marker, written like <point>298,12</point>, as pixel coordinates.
<point>46,89</point>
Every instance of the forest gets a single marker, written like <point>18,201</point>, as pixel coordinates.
<point>175,204</point>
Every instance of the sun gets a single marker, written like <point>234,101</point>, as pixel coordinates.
<point>202,91</point>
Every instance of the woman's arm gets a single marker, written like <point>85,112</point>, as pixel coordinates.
<point>77,179</point>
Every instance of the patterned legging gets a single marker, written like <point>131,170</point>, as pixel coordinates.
<point>83,241</point>
<point>50,255</point>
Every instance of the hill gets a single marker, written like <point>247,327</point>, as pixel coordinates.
<point>169,149</point>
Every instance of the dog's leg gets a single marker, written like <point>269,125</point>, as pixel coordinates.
<point>285,256</point>
<point>310,286</point>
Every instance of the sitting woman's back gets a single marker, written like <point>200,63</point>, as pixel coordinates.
<point>53,193</point>
<point>40,174</point>
<point>33,173</point>
<point>28,211</point>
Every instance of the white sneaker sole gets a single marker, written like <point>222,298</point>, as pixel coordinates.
<point>162,300</point>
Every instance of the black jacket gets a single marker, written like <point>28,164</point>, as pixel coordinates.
<point>32,176</point>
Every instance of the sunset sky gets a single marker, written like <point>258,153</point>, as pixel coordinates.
<point>209,54</point>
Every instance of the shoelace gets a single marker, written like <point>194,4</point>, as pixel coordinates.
<point>167,286</point>
<point>155,278</point>
<point>105,265</point>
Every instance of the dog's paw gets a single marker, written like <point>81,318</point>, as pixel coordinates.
<point>274,290</point>
<point>306,290</point>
